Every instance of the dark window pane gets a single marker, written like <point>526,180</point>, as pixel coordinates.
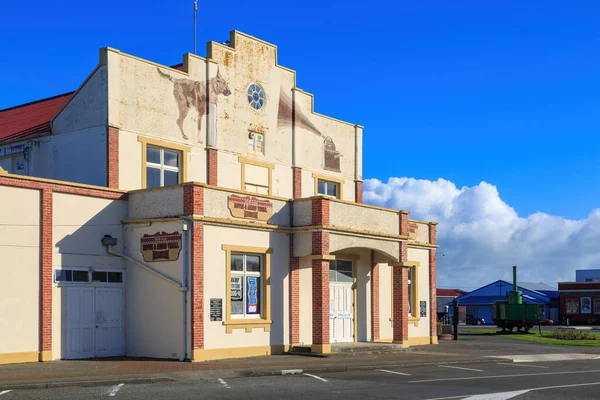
<point>171,178</point>
<point>332,189</point>
<point>152,177</point>
<point>343,265</point>
<point>253,263</point>
<point>98,276</point>
<point>63,275</point>
<point>237,262</point>
<point>171,158</point>
<point>115,277</point>
<point>153,155</point>
<point>321,189</point>
<point>253,295</point>
<point>80,276</point>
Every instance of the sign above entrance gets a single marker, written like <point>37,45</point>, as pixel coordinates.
<point>249,207</point>
<point>413,231</point>
<point>161,246</point>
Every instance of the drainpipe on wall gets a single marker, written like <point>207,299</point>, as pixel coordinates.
<point>184,275</point>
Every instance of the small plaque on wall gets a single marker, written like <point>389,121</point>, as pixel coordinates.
<point>423,308</point>
<point>216,309</point>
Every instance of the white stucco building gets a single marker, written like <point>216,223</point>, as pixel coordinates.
<point>199,211</point>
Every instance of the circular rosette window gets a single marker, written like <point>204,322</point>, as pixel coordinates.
<point>256,96</point>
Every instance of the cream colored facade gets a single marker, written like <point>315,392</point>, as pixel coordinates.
<point>156,264</point>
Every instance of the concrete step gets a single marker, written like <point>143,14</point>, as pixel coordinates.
<point>366,348</point>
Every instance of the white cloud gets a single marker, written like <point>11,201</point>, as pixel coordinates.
<point>482,236</point>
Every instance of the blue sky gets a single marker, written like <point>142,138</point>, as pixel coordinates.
<point>506,93</point>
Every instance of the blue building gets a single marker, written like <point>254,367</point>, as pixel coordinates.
<point>478,303</point>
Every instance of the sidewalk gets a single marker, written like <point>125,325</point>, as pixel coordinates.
<point>114,371</point>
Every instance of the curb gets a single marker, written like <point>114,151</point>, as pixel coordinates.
<point>61,384</point>
<point>366,367</point>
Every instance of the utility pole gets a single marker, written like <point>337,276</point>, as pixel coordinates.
<point>195,10</point>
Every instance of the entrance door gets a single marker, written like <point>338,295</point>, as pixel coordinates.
<point>341,296</point>
<point>94,322</point>
<point>108,314</point>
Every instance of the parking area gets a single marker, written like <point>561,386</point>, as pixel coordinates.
<point>563,379</point>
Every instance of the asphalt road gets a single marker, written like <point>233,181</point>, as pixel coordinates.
<point>550,380</point>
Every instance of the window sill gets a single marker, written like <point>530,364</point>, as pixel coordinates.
<point>247,324</point>
<point>411,320</point>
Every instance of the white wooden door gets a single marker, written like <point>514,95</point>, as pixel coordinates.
<point>80,322</point>
<point>109,322</point>
<point>341,315</point>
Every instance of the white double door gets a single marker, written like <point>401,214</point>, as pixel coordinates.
<point>94,322</point>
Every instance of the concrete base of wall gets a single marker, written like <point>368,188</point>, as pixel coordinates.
<point>23,357</point>
<point>238,352</point>
<point>320,348</point>
<point>46,355</point>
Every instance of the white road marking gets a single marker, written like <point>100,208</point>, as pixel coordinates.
<point>4,392</point>
<point>291,371</point>
<point>115,389</point>
<point>393,372</point>
<point>466,369</point>
<point>493,396</point>
<point>523,365</point>
<point>224,384</point>
<point>317,377</point>
<point>506,376</point>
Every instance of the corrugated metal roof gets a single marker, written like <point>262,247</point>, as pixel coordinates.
<point>31,118</point>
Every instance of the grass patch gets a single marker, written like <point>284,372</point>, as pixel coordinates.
<point>560,337</point>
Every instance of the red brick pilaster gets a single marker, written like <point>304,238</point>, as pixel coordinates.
<point>403,224</point>
<point>112,157</point>
<point>432,283</point>
<point>320,306</point>
<point>374,297</point>
<point>297,182</point>
<point>320,211</point>
<point>400,296</point>
<point>294,283</point>
<point>46,275</point>
<point>193,204</point>
<point>358,191</point>
<point>211,169</point>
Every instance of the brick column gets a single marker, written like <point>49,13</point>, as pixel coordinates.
<point>112,157</point>
<point>403,224</point>
<point>320,306</point>
<point>193,204</point>
<point>211,167</point>
<point>294,287</point>
<point>374,298</point>
<point>400,315</point>
<point>46,276</point>
<point>358,191</point>
<point>297,189</point>
<point>432,284</point>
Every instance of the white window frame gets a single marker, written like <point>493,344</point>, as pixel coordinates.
<point>327,183</point>
<point>253,140</point>
<point>245,274</point>
<point>161,166</point>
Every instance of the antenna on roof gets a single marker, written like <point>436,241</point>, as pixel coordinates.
<point>195,10</point>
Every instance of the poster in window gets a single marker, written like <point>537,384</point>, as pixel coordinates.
<point>252,290</point>
<point>236,288</point>
<point>586,305</point>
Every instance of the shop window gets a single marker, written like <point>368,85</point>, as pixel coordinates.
<point>246,292</point>
<point>256,142</point>
<point>572,306</point>
<point>162,167</point>
<point>596,306</point>
<point>248,288</point>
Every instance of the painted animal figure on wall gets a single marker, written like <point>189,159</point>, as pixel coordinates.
<point>189,93</point>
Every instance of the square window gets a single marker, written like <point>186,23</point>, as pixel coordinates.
<point>327,188</point>
<point>256,142</point>
<point>115,277</point>
<point>162,167</point>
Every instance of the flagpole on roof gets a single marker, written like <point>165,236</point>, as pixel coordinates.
<point>195,9</point>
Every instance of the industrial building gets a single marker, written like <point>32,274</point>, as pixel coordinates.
<point>196,212</point>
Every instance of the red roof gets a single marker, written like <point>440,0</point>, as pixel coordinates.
<point>31,118</point>
<point>449,292</point>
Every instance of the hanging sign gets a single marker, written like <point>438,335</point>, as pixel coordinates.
<point>413,231</point>
<point>161,246</point>
<point>249,207</point>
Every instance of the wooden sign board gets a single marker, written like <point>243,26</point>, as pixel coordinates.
<point>249,208</point>
<point>161,246</point>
